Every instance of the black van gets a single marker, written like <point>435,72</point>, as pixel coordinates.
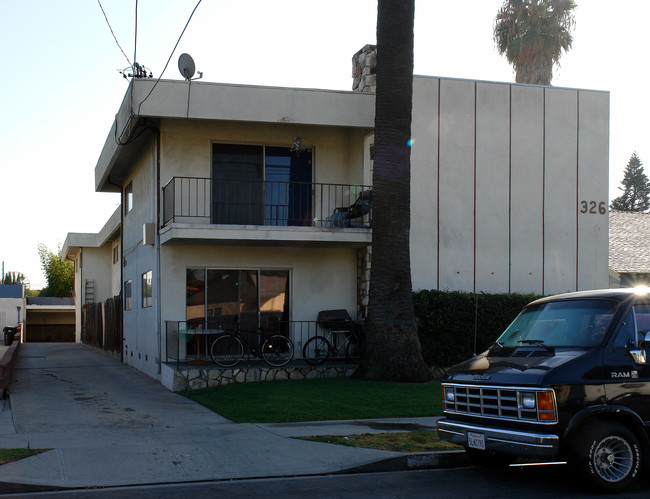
<point>568,379</point>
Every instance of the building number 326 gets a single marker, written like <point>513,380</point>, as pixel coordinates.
<point>593,207</point>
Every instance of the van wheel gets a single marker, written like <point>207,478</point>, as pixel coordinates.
<point>607,455</point>
<point>488,458</point>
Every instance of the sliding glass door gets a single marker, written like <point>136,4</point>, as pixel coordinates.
<point>261,185</point>
<point>258,298</point>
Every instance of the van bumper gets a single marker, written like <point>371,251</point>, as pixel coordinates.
<point>502,440</point>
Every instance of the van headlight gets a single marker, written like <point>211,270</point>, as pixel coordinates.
<point>528,400</point>
<point>449,394</point>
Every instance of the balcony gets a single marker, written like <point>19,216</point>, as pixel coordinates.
<point>266,211</point>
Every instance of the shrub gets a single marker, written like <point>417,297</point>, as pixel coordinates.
<point>447,321</point>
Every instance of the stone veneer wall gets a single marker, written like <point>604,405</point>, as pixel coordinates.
<point>364,64</point>
<point>364,67</point>
<point>195,379</point>
<point>364,258</point>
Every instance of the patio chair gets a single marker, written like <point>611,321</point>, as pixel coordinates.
<point>361,207</point>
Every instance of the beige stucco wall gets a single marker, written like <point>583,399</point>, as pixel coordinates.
<point>97,267</point>
<point>321,278</point>
<point>236,103</point>
<point>186,147</point>
<point>499,176</point>
<point>116,267</point>
<point>75,257</point>
<point>141,325</point>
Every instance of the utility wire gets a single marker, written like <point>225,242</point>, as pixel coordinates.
<point>118,139</point>
<point>112,33</point>
<point>170,57</point>
<point>135,42</point>
<point>135,62</point>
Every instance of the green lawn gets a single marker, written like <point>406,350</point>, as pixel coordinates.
<point>409,441</point>
<point>9,455</point>
<point>320,399</point>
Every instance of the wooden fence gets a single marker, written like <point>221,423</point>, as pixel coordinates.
<point>102,325</point>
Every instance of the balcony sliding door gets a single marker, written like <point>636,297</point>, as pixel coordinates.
<point>288,186</point>
<point>257,185</point>
<point>237,189</point>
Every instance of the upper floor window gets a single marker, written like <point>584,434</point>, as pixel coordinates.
<point>116,254</point>
<point>128,198</point>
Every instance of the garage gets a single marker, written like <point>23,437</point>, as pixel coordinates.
<point>49,319</point>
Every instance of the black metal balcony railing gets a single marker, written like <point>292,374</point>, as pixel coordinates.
<point>189,342</point>
<point>270,203</point>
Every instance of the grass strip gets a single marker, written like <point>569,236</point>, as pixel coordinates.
<point>413,441</point>
<point>10,455</point>
<point>319,400</point>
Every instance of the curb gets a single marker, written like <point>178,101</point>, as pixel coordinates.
<point>407,462</point>
<point>416,461</point>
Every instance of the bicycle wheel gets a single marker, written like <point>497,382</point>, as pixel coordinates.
<point>316,350</point>
<point>227,350</point>
<point>277,350</point>
<point>352,349</point>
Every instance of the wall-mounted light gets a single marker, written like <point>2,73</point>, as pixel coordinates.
<point>296,145</point>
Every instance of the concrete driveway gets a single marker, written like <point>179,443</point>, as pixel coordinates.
<point>108,424</point>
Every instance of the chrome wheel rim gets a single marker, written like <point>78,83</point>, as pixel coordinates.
<point>613,459</point>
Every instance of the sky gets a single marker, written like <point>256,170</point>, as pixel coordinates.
<point>61,84</point>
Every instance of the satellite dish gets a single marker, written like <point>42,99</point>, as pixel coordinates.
<point>186,66</point>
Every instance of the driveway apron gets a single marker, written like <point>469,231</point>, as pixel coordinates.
<point>109,424</point>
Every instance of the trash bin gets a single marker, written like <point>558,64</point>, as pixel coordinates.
<point>10,332</point>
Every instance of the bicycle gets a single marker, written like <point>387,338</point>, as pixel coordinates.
<point>319,348</point>
<point>229,348</point>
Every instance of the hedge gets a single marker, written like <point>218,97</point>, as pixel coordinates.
<point>446,322</point>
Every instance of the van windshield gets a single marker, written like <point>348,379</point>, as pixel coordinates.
<point>576,323</point>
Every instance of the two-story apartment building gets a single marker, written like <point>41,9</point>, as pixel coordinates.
<point>236,200</point>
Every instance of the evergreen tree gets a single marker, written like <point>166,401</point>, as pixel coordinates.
<point>636,188</point>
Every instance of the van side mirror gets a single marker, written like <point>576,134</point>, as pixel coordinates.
<point>645,342</point>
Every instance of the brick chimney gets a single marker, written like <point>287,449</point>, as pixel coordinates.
<point>364,64</point>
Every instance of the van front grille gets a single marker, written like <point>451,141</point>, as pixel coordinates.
<point>493,402</point>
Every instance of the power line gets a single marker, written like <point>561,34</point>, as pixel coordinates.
<point>135,41</point>
<point>112,33</point>
<point>170,56</point>
<point>118,139</point>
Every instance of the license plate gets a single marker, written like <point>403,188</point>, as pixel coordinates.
<point>475,440</point>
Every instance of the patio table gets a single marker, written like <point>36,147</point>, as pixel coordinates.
<point>197,334</point>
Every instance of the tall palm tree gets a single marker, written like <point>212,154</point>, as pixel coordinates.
<point>532,34</point>
<point>391,346</point>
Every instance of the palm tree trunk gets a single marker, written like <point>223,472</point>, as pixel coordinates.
<point>391,346</point>
<point>535,70</point>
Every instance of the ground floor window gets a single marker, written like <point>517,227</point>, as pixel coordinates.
<point>257,298</point>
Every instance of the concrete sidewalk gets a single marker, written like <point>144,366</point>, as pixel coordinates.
<point>108,424</point>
